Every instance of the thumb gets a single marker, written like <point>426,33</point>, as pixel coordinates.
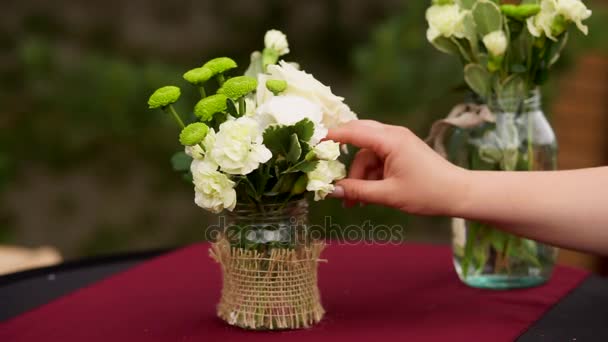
<point>359,190</point>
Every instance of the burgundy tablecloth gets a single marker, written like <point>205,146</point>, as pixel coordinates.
<point>371,293</point>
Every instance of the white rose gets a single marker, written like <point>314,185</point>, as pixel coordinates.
<point>301,84</point>
<point>277,41</point>
<point>288,110</point>
<point>445,20</point>
<point>327,150</point>
<point>237,148</point>
<point>575,11</point>
<point>321,179</point>
<point>213,190</point>
<point>496,42</point>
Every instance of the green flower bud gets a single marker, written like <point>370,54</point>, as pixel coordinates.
<point>164,96</point>
<point>220,65</point>
<point>207,107</point>
<point>300,185</point>
<point>443,2</point>
<point>198,76</point>
<point>193,134</point>
<point>237,87</point>
<point>276,86</point>
<point>520,12</point>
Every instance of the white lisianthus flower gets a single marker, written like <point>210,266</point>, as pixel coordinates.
<point>213,190</point>
<point>552,15</point>
<point>237,148</point>
<point>327,150</point>
<point>304,85</point>
<point>445,20</point>
<point>575,11</point>
<point>321,179</point>
<point>496,42</point>
<point>277,41</point>
<point>287,110</point>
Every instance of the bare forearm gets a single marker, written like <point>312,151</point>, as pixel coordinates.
<point>564,208</point>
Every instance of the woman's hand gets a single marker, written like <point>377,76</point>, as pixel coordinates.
<point>396,169</point>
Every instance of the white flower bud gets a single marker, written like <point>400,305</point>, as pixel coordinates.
<point>496,43</point>
<point>276,40</point>
<point>327,150</point>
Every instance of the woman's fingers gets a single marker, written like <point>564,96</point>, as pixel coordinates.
<point>358,190</point>
<point>363,167</point>
<point>367,134</point>
<point>364,160</point>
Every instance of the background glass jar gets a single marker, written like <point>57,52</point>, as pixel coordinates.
<point>520,139</point>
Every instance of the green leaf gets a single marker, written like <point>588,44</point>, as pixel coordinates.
<point>511,92</point>
<point>180,161</point>
<point>478,79</point>
<point>283,185</point>
<point>470,32</point>
<point>471,239</point>
<point>278,138</point>
<point>446,45</point>
<point>466,4</point>
<point>295,150</point>
<point>303,166</point>
<point>498,239</point>
<point>518,68</point>
<point>487,17</point>
<point>305,129</point>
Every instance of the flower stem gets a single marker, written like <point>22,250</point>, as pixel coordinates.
<point>202,91</point>
<point>242,108</point>
<point>176,116</point>
<point>220,79</point>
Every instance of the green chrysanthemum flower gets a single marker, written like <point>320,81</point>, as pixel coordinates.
<point>208,106</point>
<point>193,134</point>
<point>237,87</point>
<point>164,96</point>
<point>276,86</point>
<point>220,65</point>
<point>198,76</point>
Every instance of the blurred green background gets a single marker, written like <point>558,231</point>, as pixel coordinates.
<point>84,165</point>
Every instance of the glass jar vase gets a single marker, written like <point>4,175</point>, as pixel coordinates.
<point>520,139</point>
<point>269,267</point>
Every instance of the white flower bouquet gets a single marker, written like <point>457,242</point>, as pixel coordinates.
<point>508,49</point>
<point>259,138</point>
<point>256,150</point>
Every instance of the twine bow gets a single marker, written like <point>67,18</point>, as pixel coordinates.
<point>464,115</point>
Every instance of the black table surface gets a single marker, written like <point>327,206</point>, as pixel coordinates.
<point>582,315</point>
